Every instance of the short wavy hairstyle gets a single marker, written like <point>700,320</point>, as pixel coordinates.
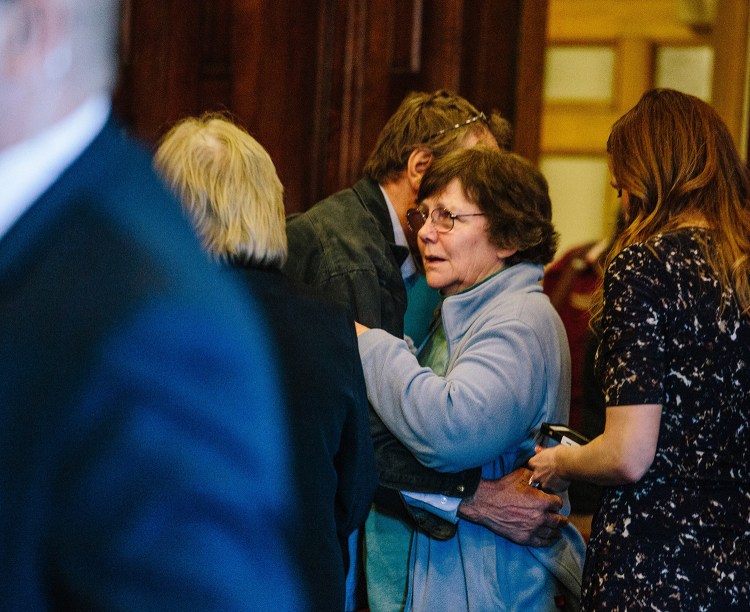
<point>439,121</point>
<point>227,184</point>
<point>511,193</point>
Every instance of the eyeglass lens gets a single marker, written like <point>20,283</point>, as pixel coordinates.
<point>415,218</point>
<point>441,218</point>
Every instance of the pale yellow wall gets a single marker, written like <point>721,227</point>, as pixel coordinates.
<point>648,44</point>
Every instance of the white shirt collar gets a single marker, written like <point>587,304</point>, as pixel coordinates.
<point>408,268</point>
<point>29,168</point>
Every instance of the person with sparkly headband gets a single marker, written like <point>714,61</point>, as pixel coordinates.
<point>356,246</point>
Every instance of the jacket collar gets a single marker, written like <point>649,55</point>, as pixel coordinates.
<point>371,197</point>
<point>459,311</point>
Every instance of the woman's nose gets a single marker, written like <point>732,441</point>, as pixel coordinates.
<point>427,232</point>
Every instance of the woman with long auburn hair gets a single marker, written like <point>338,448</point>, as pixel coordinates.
<point>674,365</point>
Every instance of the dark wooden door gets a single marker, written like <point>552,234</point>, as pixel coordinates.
<point>315,81</point>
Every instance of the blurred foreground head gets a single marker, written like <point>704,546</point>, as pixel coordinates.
<point>54,54</point>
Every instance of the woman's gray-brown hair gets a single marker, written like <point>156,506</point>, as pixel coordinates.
<point>511,193</point>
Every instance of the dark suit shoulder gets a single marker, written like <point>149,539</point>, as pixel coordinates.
<point>289,296</point>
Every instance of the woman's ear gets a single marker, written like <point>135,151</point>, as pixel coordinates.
<point>417,164</point>
<point>503,254</point>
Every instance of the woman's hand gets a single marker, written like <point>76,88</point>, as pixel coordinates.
<point>361,329</point>
<point>621,455</point>
<point>546,466</point>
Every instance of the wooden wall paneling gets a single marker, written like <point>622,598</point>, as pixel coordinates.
<point>730,80</point>
<point>563,133</point>
<point>490,50</point>
<point>324,121</point>
<point>330,105</point>
<point>405,61</point>
<point>634,71</point>
<point>493,54</point>
<point>274,50</point>
<point>377,61</point>
<point>408,45</point>
<point>407,49</point>
<point>591,19</point>
<point>357,68</point>
<point>123,95</point>
<point>379,50</point>
<point>342,55</point>
<point>442,45</point>
<point>215,77</point>
<point>529,80</point>
<point>163,71</point>
<point>314,82</point>
<point>174,62</point>
<point>387,75</point>
<point>391,47</point>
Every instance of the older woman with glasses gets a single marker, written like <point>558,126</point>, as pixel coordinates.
<point>495,366</point>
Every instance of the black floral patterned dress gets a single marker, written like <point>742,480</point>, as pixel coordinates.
<point>679,539</point>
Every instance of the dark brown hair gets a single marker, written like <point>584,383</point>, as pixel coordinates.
<point>509,190</point>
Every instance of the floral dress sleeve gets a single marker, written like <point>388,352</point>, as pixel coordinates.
<point>630,360</point>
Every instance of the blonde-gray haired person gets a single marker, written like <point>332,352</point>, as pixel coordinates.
<point>140,410</point>
<point>228,185</point>
<point>229,188</point>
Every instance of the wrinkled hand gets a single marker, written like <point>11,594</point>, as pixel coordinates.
<point>544,464</point>
<point>511,508</point>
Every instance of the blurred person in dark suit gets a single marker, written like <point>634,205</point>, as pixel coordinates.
<point>143,455</point>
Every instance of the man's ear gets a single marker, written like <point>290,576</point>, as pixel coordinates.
<point>417,164</point>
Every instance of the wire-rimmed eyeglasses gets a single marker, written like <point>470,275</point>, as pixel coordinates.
<point>442,219</point>
<point>480,117</point>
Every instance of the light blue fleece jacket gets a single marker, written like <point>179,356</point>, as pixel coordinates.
<point>508,370</point>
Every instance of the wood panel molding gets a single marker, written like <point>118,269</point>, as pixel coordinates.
<point>530,79</point>
<point>407,49</point>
